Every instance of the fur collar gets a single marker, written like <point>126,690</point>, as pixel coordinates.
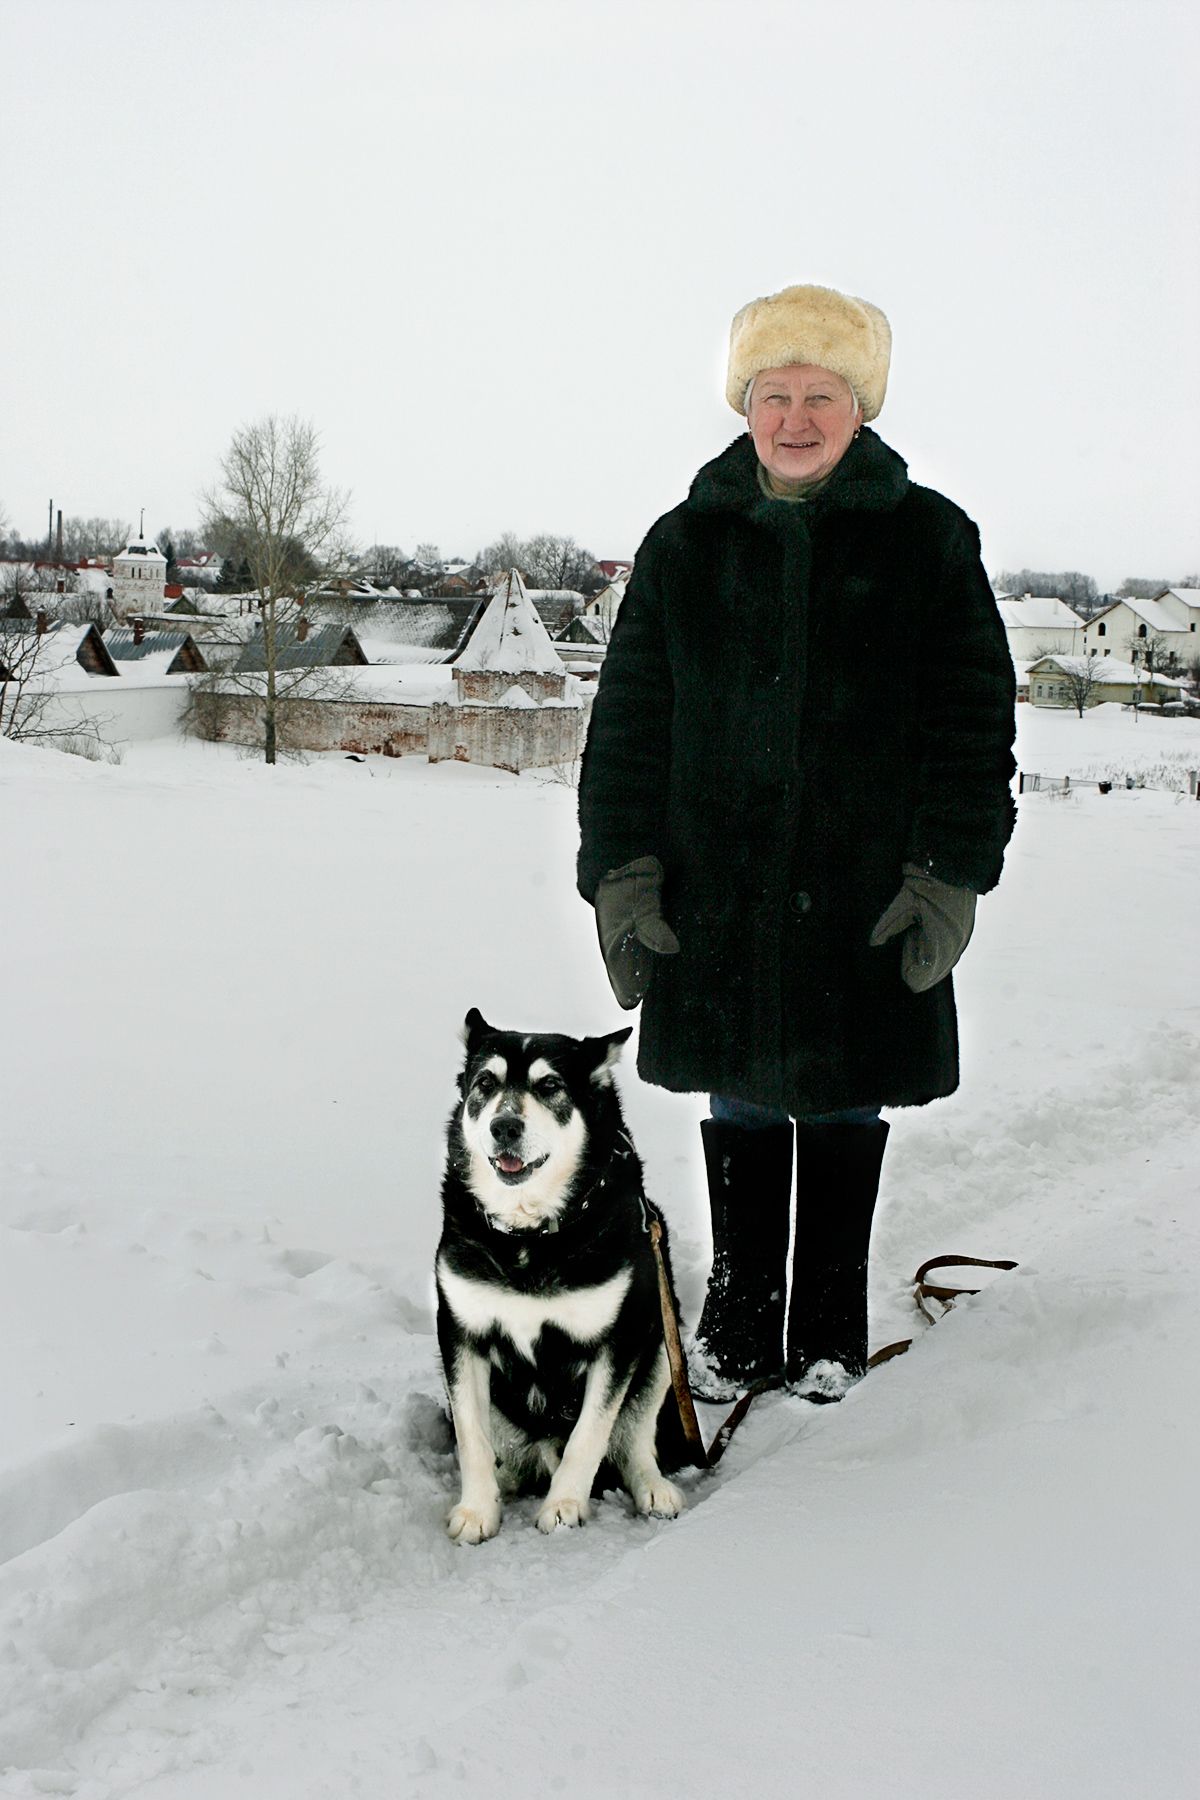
<point>870,477</point>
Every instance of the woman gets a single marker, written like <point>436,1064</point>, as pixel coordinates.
<point>795,784</point>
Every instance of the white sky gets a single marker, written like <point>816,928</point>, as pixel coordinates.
<point>492,250</point>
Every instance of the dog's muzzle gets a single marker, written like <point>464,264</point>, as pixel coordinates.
<point>507,1131</point>
<point>512,1169</point>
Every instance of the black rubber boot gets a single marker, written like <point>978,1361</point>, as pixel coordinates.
<point>837,1181</point>
<point>739,1339</point>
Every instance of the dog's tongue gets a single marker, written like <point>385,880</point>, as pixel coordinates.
<point>511,1165</point>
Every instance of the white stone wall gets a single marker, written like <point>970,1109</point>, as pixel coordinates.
<point>499,737</point>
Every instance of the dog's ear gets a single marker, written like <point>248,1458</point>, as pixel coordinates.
<point>604,1053</point>
<point>474,1029</point>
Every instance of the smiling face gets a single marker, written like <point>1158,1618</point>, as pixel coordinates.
<point>530,1103</point>
<point>803,420</point>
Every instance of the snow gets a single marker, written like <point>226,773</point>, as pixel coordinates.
<point>229,1053</point>
<point>1108,670</point>
<point>510,636</point>
<point>1037,612</point>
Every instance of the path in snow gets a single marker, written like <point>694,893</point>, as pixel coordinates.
<point>222,1487</point>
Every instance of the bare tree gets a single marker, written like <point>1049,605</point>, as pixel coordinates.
<point>557,562</point>
<point>272,501</point>
<point>30,711</point>
<point>508,552</point>
<point>25,589</point>
<point>1153,652</point>
<point>23,699</point>
<point>1081,678</point>
<point>1140,587</point>
<point>1078,590</point>
<point>186,542</point>
<point>386,563</point>
<point>545,561</point>
<point>94,537</point>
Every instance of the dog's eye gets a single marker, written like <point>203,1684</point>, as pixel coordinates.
<point>548,1086</point>
<point>485,1083</point>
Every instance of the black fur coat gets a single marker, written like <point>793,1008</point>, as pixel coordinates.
<point>796,701</point>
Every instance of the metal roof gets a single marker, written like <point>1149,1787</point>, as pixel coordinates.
<point>317,650</point>
<point>124,647</point>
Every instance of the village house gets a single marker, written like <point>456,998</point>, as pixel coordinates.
<point>1039,625</point>
<point>1053,681</point>
<point>1183,605</point>
<point>604,606</point>
<point>1140,630</point>
<point>47,651</point>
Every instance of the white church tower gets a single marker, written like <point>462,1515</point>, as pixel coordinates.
<point>139,576</point>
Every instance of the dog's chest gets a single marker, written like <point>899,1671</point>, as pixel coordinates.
<point>484,1307</point>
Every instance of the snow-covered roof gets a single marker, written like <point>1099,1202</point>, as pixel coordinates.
<point>385,652</point>
<point>1151,612</point>
<point>1041,612</point>
<point>125,646</point>
<point>1108,670</point>
<point>319,647</point>
<point>143,548</point>
<point>57,662</point>
<point>510,636</point>
<point>1189,596</point>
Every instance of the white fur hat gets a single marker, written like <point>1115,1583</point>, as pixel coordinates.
<point>811,325</point>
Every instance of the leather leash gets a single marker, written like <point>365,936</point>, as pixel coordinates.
<point>923,1290</point>
<point>679,1380</point>
<point>701,1457</point>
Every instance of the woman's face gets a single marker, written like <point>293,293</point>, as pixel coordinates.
<point>803,420</point>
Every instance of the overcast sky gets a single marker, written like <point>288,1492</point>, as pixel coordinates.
<point>492,250</point>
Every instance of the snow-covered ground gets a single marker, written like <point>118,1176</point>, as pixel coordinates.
<point>230,999</point>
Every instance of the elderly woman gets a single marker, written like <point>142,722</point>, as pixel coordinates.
<point>795,784</point>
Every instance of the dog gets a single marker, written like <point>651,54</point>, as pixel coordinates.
<point>548,1311</point>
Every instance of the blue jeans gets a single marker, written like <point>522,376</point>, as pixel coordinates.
<point>756,1118</point>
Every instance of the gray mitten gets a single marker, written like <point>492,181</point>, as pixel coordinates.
<point>630,923</point>
<point>938,920</point>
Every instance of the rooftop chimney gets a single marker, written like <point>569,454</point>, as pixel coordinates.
<point>301,628</point>
<point>139,630</point>
<point>43,624</point>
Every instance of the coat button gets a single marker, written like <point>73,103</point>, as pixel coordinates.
<point>801,904</point>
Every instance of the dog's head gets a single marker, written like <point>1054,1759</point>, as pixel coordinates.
<point>527,1126</point>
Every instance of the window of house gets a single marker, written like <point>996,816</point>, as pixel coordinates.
<point>1141,631</point>
<point>1101,631</point>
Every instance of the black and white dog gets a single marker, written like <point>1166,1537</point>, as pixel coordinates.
<point>549,1319</point>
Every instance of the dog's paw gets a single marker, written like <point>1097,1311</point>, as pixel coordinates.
<point>564,1511</point>
<point>471,1524</point>
<point>658,1498</point>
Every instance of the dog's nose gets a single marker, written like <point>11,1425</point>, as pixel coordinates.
<point>506,1130</point>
